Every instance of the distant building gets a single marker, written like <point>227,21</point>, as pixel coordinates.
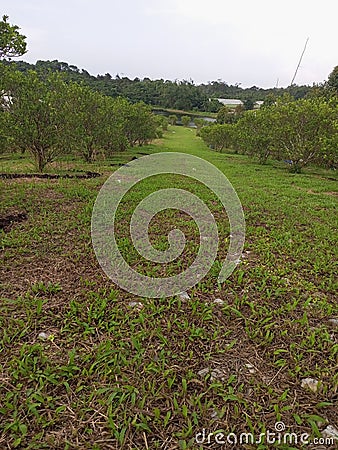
<point>235,102</point>
<point>230,101</point>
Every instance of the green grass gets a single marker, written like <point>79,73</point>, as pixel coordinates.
<point>109,375</point>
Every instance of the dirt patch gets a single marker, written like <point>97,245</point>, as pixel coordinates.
<point>7,221</point>
<point>310,191</point>
<point>49,176</point>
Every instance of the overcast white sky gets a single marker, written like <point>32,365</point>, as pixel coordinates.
<point>252,42</point>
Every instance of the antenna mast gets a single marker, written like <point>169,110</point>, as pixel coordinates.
<point>300,60</point>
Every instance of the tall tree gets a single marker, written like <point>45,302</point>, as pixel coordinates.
<point>12,43</point>
<point>332,81</point>
<point>37,111</point>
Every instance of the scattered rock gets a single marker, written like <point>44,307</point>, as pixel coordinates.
<point>333,322</point>
<point>215,374</point>
<point>214,414</point>
<point>250,368</point>
<point>219,301</point>
<point>183,295</point>
<point>310,383</point>
<point>203,372</point>
<point>43,335</point>
<point>330,432</point>
<point>137,305</point>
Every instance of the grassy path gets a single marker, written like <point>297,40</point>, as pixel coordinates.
<point>86,365</point>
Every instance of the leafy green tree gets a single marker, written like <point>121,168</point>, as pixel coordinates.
<point>162,121</point>
<point>217,136</point>
<point>172,119</point>
<point>223,114</point>
<point>185,120</point>
<point>12,43</point>
<point>37,113</point>
<point>213,105</point>
<point>90,126</point>
<point>253,135</point>
<point>304,129</point>
<point>199,122</point>
<point>248,104</point>
<point>332,81</point>
<point>300,132</point>
<point>139,124</point>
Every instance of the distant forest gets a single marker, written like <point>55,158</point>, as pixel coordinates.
<point>184,95</point>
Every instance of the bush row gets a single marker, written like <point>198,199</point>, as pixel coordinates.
<point>298,132</point>
<point>47,116</point>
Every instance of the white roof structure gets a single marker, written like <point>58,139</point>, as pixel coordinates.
<point>230,101</point>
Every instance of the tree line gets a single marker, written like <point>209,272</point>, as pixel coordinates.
<point>47,113</point>
<point>178,94</point>
<point>57,108</point>
<point>298,132</point>
<point>47,116</point>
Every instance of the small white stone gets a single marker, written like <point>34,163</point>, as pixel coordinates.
<point>137,305</point>
<point>43,335</point>
<point>251,368</point>
<point>310,383</point>
<point>203,372</point>
<point>333,322</point>
<point>119,181</point>
<point>219,301</point>
<point>214,414</point>
<point>183,295</point>
<point>330,432</point>
<point>215,374</point>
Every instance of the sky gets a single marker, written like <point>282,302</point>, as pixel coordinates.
<point>249,42</point>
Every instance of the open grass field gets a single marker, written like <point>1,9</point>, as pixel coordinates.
<point>85,365</point>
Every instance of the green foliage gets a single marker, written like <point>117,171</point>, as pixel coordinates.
<point>162,121</point>
<point>90,125</point>
<point>249,104</point>
<point>304,130</point>
<point>199,122</point>
<point>217,136</point>
<point>253,135</point>
<point>332,81</point>
<point>139,124</point>
<point>229,115</point>
<point>185,121</point>
<point>213,105</point>
<point>48,117</point>
<point>12,43</point>
<point>172,119</point>
<point>300,132</point>
<point>37,112</point>
<point>184,95</point>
